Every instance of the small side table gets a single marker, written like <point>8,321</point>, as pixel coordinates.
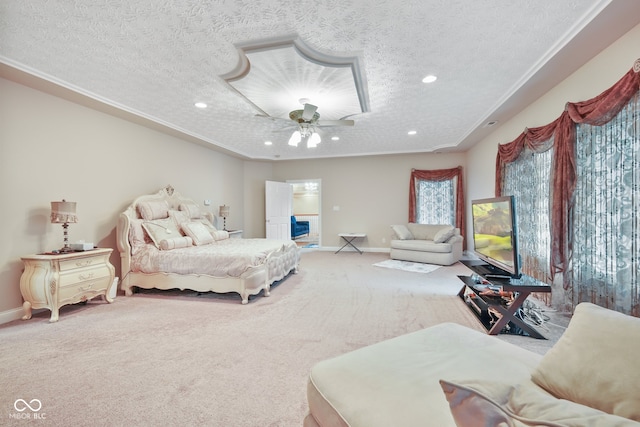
<point>235,234</point>
<point>53,280</point>
<point>349,238</point>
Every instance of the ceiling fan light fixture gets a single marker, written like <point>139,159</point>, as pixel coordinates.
<point>295,139</point>
<point>313,140</point>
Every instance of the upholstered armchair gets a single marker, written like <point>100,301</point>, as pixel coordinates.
<point>298,228</point>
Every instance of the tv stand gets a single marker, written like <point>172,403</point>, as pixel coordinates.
<point>494,312</point>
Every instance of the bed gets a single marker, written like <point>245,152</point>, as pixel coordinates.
<point>166,241</point>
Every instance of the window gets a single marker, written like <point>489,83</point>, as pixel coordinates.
<point>435,202</point>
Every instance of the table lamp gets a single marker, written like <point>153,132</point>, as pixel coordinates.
<point>224,213</point>
<point>64,213</point>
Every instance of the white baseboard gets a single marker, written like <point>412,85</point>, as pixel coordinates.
<point>11,315</point>
<point>349,249</point>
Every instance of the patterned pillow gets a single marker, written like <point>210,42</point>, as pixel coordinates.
<point>198,232</point>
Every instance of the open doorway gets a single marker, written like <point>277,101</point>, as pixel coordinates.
<point>306,206</point>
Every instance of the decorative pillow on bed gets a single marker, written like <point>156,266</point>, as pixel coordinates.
<point>151,210</point>
<point>176,242</point>
<point>161,229</point>
<point>220,235</point>
<point>208,224</point>
<point>191,209</point>
<point>198,232</point>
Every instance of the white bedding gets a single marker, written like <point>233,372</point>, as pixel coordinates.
<point>167,242</point>
<point>230,257</point>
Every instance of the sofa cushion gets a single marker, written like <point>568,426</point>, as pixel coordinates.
<point>425,231</point>
<point>444,234</point>
<point>595,362</point>
<point>395,382</point>
<point>402,232</point>
<point>422,246</point>
<point>492,403</point>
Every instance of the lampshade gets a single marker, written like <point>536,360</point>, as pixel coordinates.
<point>63,212</point>
<point>313,140</point>
<point>224,211</point>
<point>295,139</point>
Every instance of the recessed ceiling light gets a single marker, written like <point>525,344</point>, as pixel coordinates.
<point>335,138</point>
<point>411,132</point>
<point>200,105</point>
<point>429,79</point>
<point>268,143</point>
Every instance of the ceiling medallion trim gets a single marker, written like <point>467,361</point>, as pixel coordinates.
<point>243,67</point>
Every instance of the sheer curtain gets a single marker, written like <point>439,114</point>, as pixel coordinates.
<point>435,177</point>
<point>593,196</point>
<point>528,179</point>
<point>435,202</point>
<point>606,213</point>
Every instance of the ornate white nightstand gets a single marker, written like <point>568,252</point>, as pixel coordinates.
<point>235,234</point>
<point>53,280</point>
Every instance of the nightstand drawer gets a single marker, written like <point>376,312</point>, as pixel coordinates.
<point>87,289</point>
<point>84,274</point>
<point>73,264</point>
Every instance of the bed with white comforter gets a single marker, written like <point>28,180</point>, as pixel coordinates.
<point>167,242</point>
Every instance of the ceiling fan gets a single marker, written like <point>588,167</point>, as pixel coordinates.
<point>307,123</point>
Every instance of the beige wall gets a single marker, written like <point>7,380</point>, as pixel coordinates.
<point>52,149</point>
<point>371,192</point>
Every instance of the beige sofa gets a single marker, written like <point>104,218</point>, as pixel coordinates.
<point>428,243</point>
<point>449,375</point>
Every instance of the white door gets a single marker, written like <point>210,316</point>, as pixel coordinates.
<point>278,210</point>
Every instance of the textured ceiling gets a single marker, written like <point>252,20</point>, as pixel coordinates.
<point>156,58</point>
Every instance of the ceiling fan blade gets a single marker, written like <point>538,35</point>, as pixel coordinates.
<point>336,122</point>
<point>309,111</point>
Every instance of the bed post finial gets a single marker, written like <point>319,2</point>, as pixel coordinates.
<point>169,190</point>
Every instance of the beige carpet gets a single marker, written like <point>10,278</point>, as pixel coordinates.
<point>177,358</point>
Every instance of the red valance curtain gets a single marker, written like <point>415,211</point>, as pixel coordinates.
<point>439,175</point>
<point>596,111</point>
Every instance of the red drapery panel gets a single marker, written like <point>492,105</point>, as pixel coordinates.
<point>439,175</point>
<point>596,111</point>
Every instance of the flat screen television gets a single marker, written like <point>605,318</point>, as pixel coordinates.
<point>495,237</point>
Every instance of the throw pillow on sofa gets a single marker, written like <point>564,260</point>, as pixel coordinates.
<point>488,403</point>
<point>402,232</point>
<point>443,235</point>
<point>595,362</point>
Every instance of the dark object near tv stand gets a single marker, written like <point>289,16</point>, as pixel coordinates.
<point>494,312</point>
